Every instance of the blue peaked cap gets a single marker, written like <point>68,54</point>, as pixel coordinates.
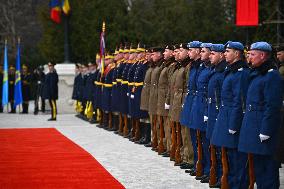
<point>206,45</point>
<point>234,45</point>
<point>262,46</point>
<point>194,44</point>
<point>217,47</point>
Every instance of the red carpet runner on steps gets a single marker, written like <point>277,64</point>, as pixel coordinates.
<point>44,158</point>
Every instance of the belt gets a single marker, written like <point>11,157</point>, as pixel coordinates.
<point>252,108</point>
<point>138,84</point>
<point>131,84</point>
<point>107,85</point>
<point>124,82</point>
<point>98,83</point>
<point>114,83</point>
<point>118,80</point>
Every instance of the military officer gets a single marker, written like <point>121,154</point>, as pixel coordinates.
<point>258,135</point>
<point>216,78</point>
<point>51,90</point>
<point>194,54</point>
<point>145,95</point>
<point>11,78</point>
<point>26,88</point>
<point>229,120</point>
<point>157,57</point>
<point>1,87</point>
<point>39,77</point>
<point>165,131</point>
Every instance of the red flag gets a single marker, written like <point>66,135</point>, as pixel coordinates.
<point>55,11</point>
<point>247,13</point>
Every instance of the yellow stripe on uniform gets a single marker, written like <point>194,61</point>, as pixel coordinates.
<point>53,109</point>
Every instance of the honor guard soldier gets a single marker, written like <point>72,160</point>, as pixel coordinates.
<point>198,111</point>
<point>139,115</point>
<point>144,102</point>
<point>216,78</point>
<point>11,77</point>
<point>76,85</point>
<point>123,92</point>
<point>86,74</point>
<point>229,120</point>
<point>26,88</point>
<point>51,90</point>
<point>39,77</point>
<point>261,123</point>
<point>115,93</point>
<point>194,54</point>
<point>183,150</point>
<point>1,87</point>
<point>106,91</point>
<point>163,87</point>
<point>157,57</point>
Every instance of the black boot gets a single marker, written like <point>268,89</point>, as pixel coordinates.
<point>106,121</point>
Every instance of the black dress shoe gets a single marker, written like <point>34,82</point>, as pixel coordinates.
<point>116,132</point>
<point>201,177</point>
<point>148,144</point>
<point>205,180</point>
<point>51,119</point>
<point>139,141</point>
<point>217,185</point>
<point>166,154</point>
<point>154,149</point>
<point>187,166</point>
<point>189,171</point>
<point>192,173</point>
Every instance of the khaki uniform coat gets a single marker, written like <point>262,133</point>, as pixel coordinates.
<point>163,86</point>
<point>145,94</point>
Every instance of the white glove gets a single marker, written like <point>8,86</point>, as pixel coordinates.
<point>263,137</point>
<point>127,94</point>
<point>167,106</point>
<point>132,96</point>
<point>232,131</point>
<point>205,118</point>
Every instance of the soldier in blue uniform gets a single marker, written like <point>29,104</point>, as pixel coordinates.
<point>194,54</point>
<point>229,120</point>
<point>258,135</point>
<point>26,88</point>
<point>216,78</point>
<point>51,90</point>
<point>39,77</point>
<point>106,91</point>
<point>11,78</point>
<point>199,106</point>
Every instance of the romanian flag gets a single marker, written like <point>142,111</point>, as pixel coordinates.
<point>247,13</point>
<point>102,49</point>
<point>5,78</point>
<point>55,11</point>
<point>66,7</point>
<point>18,82</point>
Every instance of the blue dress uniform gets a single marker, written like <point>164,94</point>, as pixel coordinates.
<point>26,91</point>
<point>233,95</point>
<point>107,88</point>
<point>51,91</point>
<point>263,117</point>
<point>131,73</point>
<point>124,89</point>
<point>11,78</point>
<point>98,83</point>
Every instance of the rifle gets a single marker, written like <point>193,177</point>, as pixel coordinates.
<point>137,130</point>
<point>110,120</point>
<point>177,154</point>
<point>225,167</point>
<point>120,130</point>
<point>251,171</point>
<point>161,147</point>
<point>173,141</point>
<point>125,128</point>
<point>213,172</point>
<point>155,137</point>
<point>199,167</point>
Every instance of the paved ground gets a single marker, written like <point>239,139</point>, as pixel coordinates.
<point>133,165</point>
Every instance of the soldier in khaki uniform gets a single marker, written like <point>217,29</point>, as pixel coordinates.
<point>145,95</point>
<point>162,111</point>
<point>157,56</point>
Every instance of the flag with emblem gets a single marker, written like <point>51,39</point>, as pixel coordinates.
<point>18,82</point>
<point>5,77</point>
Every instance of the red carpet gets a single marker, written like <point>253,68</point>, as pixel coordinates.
<point>44,158</point>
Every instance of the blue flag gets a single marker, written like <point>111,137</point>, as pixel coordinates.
<point>5,78</point>
<point>18,82</point>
